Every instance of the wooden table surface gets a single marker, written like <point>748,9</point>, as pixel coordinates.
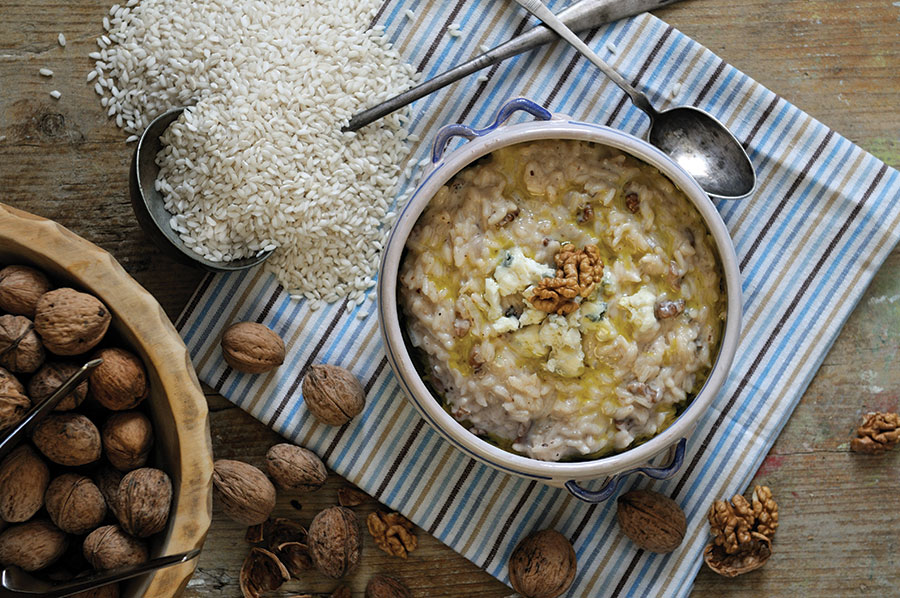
<point>840,61</point>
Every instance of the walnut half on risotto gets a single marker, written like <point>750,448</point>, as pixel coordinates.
<point>565,299</point>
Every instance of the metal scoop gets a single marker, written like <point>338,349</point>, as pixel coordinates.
<point>693,138</point>
<point>15,583</point>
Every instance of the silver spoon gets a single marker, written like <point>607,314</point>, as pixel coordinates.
<point>693,138</point>
<point>15,583</point>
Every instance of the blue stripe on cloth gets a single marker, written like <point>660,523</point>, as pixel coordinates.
<point>782,233</point>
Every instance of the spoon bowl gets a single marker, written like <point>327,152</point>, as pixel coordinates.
<point>149,205</point>
<point>706,149</point>
<point>693,138</point>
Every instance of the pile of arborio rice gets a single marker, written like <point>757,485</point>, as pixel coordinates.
<point>259,162</point>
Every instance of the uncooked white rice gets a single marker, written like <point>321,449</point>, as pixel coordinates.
<point>46,72</point>
<point>55,94</point>
<point>259,161</point>
<point>61,39</point>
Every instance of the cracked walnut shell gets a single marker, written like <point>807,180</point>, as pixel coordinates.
<point>21,350</point>
<point>70,322</point>
<point>334,542</point>
<point>651,520</point>
<point>245,493</point>
<point>261,572</point>
<point>120,382</point>
<point>20,289</point>
<point>878,433</point>
<point>753,556</point>
<point>333,394</point>
<point>542,565</point>
<point>75,504</point>
<point>392,532</point>
<point>252,348</point>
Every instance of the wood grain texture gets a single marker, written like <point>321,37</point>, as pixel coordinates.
<point>838,61</point>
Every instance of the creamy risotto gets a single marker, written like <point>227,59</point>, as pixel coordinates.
<point>564,299</point>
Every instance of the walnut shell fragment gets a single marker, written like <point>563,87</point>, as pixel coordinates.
<point>109,547</point>
<point>50,377</point>
<point>651,520</point>
<point>75,504</point>
<point>542,565</point>
<point>382,586</point>
<point>261,572</point>
<point>755,554</point>
<point>32,545</point>
<point>295,557</point>
<point>279,530</point>
<point>295,468</point>
<point>23,480</point>
<point>120,382</point>
<point>127,439</point>
<point>392,532</point>
<point>68,439</point>
<point>333,394</point>
<point>20,289</point>
<point>245,493</point>
<point>334,542</point>
<point>351,497</point>
<point>252,348</point>
<point>21,350</point>
<point>14,403</point>
<point>70,322</point>
<point>143,501</point>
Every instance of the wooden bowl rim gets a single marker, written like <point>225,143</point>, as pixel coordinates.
<point>37,236</point>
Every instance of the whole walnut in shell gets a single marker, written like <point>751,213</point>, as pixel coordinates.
<point>127,439</point>
<point>23,480</point>
<point>70,322</point>
<point>107,480</point>
<point>32,545</point>
<point>245,493</point>
<point>143,501</point>
<point>652,521</point>
<point>14,404</point>
<point>120,382</point>
<point>20,289</point>
<point>382,586</point>
<point>67,438</point>
<point>252,348</point>
<point>334,542</point>
<point>542,565</point>
<point>50,377</point>
<point>75,504</point>
<point>295,468</point>
<point>20,348</point>
<point>109,547</point>
<point>333,394</point>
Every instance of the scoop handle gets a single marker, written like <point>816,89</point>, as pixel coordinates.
<point>540,10</point>
<point>612,485</point>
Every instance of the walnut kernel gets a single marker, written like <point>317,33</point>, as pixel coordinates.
<point>392,532</point>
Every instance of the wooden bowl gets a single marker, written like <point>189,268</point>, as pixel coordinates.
<point>176,402</point>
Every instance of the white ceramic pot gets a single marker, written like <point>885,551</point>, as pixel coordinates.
<point>640,459</point>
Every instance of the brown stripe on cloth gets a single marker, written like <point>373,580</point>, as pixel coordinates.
<point>784,200</point>
<point>262,316</point>
<point>686,474</point>
<point>709,83</point>
<point>366,387</point>
<point>506,525</point>
<point>380,13</point>
<point>567,72</point>
<point>341,312</point>
<point>399,458</point>
<point>195,299</point>
<point>452,496</point>
<point>762,118</point>
<point>656,48</point>
<point>437,38</point>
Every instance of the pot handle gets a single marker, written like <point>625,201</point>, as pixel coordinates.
<point>612,485</point>
<point>445,134</point>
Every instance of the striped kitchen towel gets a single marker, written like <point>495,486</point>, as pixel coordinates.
<point>824,218</point>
